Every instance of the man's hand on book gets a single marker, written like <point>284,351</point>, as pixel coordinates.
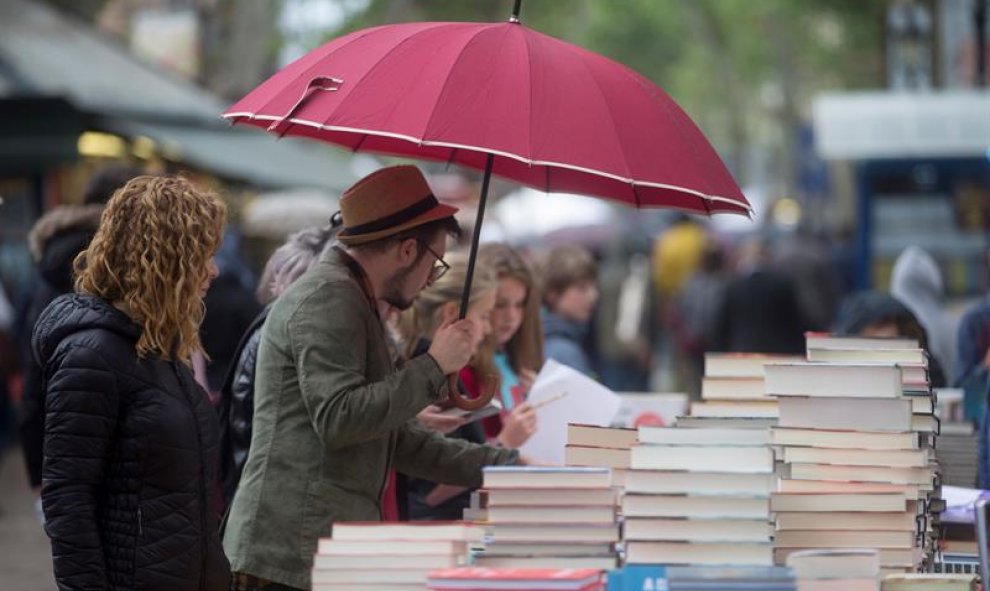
<point>434,418</point>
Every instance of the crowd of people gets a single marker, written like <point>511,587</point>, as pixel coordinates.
<point>187,429</point>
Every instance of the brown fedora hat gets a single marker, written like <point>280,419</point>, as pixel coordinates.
<point>386,202</point>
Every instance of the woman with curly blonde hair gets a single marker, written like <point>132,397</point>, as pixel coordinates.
<point>130,439</point>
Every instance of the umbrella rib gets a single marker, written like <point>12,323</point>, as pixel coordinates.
<point>611,115</point>
<point>381,60</point>
<point>446,80</point>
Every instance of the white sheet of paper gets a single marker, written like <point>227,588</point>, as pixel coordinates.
<point>586,402</point>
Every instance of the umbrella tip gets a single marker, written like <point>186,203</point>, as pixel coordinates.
<point>516,8</point>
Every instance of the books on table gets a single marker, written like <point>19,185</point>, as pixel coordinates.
<point>854,437</point>
<point>549,517</point>
<point>836,569</point>
<point>389,556</point>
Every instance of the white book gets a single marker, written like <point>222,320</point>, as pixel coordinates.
<point>846,414</point>
<point>899,458</point>
<point>759,409</point>
<point>837,502</point>
<point>867,356</point>
<point>818,340</point>
<point>699,553</point>
<point>834,380</point>
<point>703,458</point>
<point>545,514</point>
<point>919,476</point>
<point>701,483</point>
<point>696,530</point>
<point>733,389</point>
<point>695,506</point>
<point>784,436</point>
<point>702,437</point>
<point>741,365</point>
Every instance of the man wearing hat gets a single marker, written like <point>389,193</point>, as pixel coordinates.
<point>332,414</point>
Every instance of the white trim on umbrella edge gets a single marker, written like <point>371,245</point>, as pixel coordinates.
<point>422,142</point>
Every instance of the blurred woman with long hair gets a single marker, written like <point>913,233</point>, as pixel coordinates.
<point>130,438</point>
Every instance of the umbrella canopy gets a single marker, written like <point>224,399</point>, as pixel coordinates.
<point>504,99</point>
<point>555,116</point>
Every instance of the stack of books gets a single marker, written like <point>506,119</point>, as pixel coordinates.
<point>733,393</point>
<point>836,570</point>
<point>857,447</point>
<point>699,496</point>
<point>516,579</point>
<point>608,447</point>
<point>389,556</point>
<point>549,517</point>
<point>958,454</point>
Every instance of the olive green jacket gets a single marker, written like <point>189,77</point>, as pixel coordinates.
<point>332,417</point>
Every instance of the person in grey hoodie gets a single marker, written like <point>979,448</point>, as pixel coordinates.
<point>570,292</point>
<point>917,282</point>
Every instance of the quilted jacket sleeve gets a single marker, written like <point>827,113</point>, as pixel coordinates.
<point>81,412</point>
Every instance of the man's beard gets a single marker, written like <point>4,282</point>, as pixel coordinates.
<point>393,289</point>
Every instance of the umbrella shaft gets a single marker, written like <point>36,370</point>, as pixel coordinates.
<point>466,296</point>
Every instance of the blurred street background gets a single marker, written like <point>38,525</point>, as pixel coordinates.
<point>856,129</point>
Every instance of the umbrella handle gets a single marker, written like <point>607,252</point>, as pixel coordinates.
<point>488,387</point>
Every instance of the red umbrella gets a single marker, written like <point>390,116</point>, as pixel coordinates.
<point>504,99</point>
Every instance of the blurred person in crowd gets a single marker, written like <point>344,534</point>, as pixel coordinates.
<point>231,308</point>
<point>881,315</point>
<point>9,365</point>
<point>130,438</point>
<point>917,282</point>
<point>333,416</point>
<point>623,317</point>
<point>805,258</point>
<point>436,306</point>
<point>54,242</point>
<point>973,346</point>
<point>676,255</point>
<point>570,293</point>
<point>698,304</point>
<point>300,252</point>
<point>760,312</point>
<point>517,331</point>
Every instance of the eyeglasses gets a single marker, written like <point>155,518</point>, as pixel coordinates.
<point>440,268</point>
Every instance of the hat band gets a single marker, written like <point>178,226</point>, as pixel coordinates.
<point>394,219</point>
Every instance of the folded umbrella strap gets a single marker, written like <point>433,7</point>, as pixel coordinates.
<point>327,83</point>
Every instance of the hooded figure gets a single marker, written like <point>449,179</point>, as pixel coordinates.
<point>917,282</point>
<point>871,313</point>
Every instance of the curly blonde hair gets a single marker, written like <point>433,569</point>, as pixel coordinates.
<point>151,255</point>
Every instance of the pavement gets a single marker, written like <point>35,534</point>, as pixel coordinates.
<point>25,554</point>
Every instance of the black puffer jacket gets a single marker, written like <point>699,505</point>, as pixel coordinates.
<point>130,458</point>
<point>54,242</point>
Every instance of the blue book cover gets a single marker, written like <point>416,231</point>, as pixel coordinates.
<point>638,577</point>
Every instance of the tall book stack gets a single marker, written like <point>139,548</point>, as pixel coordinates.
<point>607,447</point>
<point>857,447</point>
<point>733,393</point>
<point>549,517</point>
<point>699,497</point>
<point>389,556</point>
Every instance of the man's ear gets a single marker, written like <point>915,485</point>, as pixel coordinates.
<point>407,252</point>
